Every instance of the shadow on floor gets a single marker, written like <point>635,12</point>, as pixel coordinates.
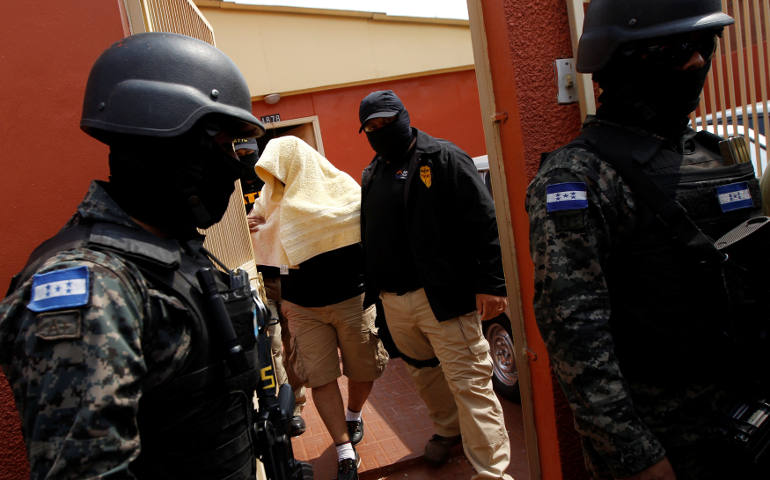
<point>396,428</point>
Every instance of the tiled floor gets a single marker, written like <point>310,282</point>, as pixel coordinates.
<point>396,427</point>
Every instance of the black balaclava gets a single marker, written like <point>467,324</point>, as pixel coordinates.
<point>251,184</point>
<point>648,95</point>
<point>250,159</point>
<point>393,140</point>
<point>176,185</point>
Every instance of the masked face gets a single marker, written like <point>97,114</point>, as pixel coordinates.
<point>206,185</point>
<point>248,158</point>
<point>176,185</point>
<point>656,85</point>
<point>251,184</point>
<point>672,92</point>
<point>392,140</point>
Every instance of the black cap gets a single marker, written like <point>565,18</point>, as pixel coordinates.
<point>379,104</point>
<point>246,144</point>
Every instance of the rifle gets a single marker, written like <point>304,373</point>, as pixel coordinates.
<point>272,427</point>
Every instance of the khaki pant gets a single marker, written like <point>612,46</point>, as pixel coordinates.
<point>465,374</point>
<point>282,345</point>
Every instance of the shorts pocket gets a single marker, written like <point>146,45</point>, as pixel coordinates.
<point>296,364</point>
<point>381,356</point>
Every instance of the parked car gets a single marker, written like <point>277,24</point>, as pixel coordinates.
<point>751,115</point>
<point>505,376</point>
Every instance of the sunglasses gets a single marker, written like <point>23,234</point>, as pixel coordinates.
<point>675,51</point>
<point>223,142</point>
<point>378,123</point>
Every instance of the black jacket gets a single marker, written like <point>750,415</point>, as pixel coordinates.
<point>451,225</point>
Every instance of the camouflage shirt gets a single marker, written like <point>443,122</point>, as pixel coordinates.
<point>570,251</point>
<point>580,211</point>
<point>78,372</point>
<point>616,371</point>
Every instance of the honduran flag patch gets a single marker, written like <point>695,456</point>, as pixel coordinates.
<point>734,196</point>
<point>566,196</point>
<point>59,289</point>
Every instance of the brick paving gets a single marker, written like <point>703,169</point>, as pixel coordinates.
<point>396,428</point>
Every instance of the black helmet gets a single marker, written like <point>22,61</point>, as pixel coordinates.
<point>611,23</point>
<point>160,85</point>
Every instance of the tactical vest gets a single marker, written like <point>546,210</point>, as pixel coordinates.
<point>199,424</point>
<point>670,317</point>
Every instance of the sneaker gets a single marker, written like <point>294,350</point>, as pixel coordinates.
<point>347,469</point>
<point>356,431</point>
<point>438,448</point>
<point>296,426</point>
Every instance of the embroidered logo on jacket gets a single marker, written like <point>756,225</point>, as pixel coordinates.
<point>566,196</point>
<point>59,325</point>
<point>425,175</point>
<point>401,174</point>
<point>734,196</point>
<point>59,289</point>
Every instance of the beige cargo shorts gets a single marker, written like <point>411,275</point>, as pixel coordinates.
<point>320,331</point>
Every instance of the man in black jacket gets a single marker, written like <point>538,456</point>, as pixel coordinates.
<point>432,255</point>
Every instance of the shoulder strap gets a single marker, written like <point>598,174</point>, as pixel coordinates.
<point>626,154</point>
<point>67,238</point>
<point>156,258</point>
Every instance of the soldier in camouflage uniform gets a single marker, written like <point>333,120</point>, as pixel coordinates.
<point>103,336</point>
<point>625,312</point>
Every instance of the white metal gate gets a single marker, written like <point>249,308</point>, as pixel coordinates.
<point>735,98</point>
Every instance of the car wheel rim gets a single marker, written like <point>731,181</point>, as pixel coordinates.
<point>503,361</point>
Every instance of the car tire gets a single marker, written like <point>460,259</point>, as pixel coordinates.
<point>505,375</point>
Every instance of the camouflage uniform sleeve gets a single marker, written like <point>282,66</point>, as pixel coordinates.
<point>77,373</point>
<point>569,249</point>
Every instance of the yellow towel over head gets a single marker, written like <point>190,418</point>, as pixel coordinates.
<point>309,206</point>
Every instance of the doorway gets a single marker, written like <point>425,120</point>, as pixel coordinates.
<point>306,128</point>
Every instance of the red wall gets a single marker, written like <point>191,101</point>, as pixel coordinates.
<point>443,105</point>
<point>47,49</point>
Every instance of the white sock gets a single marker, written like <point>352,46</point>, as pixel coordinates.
<point>351,416</point>
<point>345,451</point>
